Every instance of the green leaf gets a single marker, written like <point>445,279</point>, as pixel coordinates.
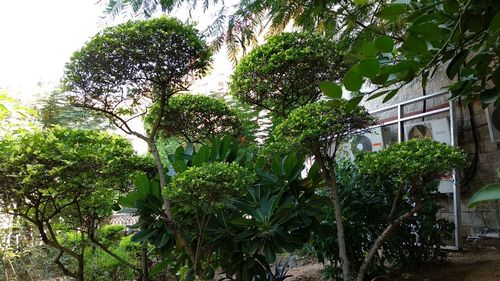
<point>330,89</point>
<point>384,44</point>
<point>143,235</point>
<point>224,148</point>
<point>495,22</point>
<point>489,96</point>
<point>179,166</point>
<point>456,63</point>
<point>202,156</point>
<point>390,95</point>
<point>360,2</point>
<point>377,94</point>
<point>413,43</point>
<point>141,182</point>
<point>353,80</point>
<point>428,30</point>
<point>269,254</point>
<point>159,267</point>
<point>380,79</point>
<point>391,11</point>
<point>352,103</point>
<point>369,67</point>
<point>488,192</point>
<point>369,49</point>
<point>129,200</point>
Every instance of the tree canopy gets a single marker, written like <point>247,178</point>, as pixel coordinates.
<point>123,66</point>
<point>283,73</point>
<point>320,126</point>
<point>195,119</point>
<point>64,173</point>
<point>399,40</point>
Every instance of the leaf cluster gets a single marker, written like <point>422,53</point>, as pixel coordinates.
<point>283,73</point>
<point>458,36</point>
<point>213,184</point>
<point>413,163</point>
<point>195,119</point>
<point>75,172</point>
<point>317,126</point>
<point>135,60</point>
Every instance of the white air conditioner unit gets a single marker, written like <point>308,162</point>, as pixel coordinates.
<point>493,118</point>
<point>367,142</point>
<point>438,130</point>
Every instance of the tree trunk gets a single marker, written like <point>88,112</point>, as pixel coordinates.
<point>145,265</point>
<point>329,176</point>
<point>381,239</point>
<point>81,270</point>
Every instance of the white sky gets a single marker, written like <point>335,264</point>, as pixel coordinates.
<point>37,38</point>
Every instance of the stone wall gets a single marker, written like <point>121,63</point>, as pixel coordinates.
<point>485,219</point>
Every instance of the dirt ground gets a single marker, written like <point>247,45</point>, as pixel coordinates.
<point>480,261</point>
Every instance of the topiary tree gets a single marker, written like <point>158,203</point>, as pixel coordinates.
<point>321,128</point>
<point>410,171</point>
<point>195,119</point>
<point>64,178</point>
<point>284,72</point>
<point>124,69</point>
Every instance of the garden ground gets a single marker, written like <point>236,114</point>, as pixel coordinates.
<point>480,261</point>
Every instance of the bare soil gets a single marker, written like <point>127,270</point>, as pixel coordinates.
<point>479,261</point>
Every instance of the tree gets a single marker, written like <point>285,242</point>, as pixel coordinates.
<point>195,119</point>
<point>409,168</point>
<point>321,128</point>
<point>283,73</point>
<point>411,171</point>
<point>65,179</point>
<point>122,70</point>
<point>237,216</point>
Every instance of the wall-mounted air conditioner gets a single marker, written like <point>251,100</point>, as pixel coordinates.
<point>439,130</point>
<point>368,142</point>
<point>493,118</point>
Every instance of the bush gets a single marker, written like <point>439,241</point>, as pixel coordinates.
<point>209,185</point>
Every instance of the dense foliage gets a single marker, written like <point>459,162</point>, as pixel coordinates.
<point>238,219</point>
<point>415,243</point>
<point>217,206</point>
<point>49,175</point>
<point>319,126</point>
<point>283,73</point>
<point>125,64</point>
<point>195,119</point>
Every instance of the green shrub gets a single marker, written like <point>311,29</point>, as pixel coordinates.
<point>109,234</point>
<point>211,183</point>
<point>319,125</point>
